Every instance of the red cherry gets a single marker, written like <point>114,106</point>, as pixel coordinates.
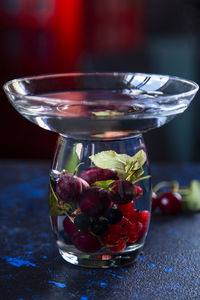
<point>121,191</point>
<point>69,227</point>
<point>70,187</point>
<point>170,203</point>
<point>94,202</point>
<point>155,201</point>
<point>97,174</point>
<point>86,242</point>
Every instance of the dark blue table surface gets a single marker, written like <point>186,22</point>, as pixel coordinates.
<point>31,267</point>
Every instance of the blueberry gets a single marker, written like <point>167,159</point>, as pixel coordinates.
<point>82,222</point>
<point>99,227</point>
<point>113,215</point>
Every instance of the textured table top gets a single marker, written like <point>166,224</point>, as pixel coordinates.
<point>31,267</point>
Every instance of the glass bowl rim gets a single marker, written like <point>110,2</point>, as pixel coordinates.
<point>193,91</point>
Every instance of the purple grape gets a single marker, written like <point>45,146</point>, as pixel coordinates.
<point>86,242</point>
<point>94,202</point>
<point>121,191</point>
<point>69,227</point>
<point>70,187</point>
<point>97,174</point>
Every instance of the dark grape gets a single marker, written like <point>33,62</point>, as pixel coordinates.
<point>97,174</point>
<point>86,242</point>
<point>113,215</point>
<point>94,202</point>
<point>70,187</point>
<point>99,227</point>
<point>82,222</point>
<point>121,191</point>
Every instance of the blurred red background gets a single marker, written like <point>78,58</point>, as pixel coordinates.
<point>47,36</point>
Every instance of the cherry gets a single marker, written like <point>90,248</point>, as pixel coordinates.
<point>70,187</point>
<point>94,202</point>
<point>170,203</point>
<point>69,227</point>
<point>121,191</point>
<point>155,201</point>
<point>86,242</point>
<point>97,174</point>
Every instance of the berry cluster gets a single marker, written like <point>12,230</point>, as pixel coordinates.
<point>103,217</point>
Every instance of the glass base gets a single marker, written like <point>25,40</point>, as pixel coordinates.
<point>101,260</point>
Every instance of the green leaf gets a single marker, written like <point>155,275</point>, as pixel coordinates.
<point>103,184</point>
<point>126,166</point>
<point>191,199</point>
<point>56,208</point>
<point>72,162</point>
<point>108,160</point>
<point>107,113</point>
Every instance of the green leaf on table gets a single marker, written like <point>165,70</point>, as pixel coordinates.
<point>127,167</point>
<point>191,196</point>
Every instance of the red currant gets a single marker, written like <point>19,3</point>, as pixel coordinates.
<point>132,234</point>
<point>145,217</point>
<point>134,216</point>
<point>126,208</point>
<point>138,192</point>
<point>120,246</point>
<point>112,236</point>
<point>170,203</point>
<point>124,226</point>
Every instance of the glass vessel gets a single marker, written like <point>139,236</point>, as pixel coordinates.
<point>100,181</point>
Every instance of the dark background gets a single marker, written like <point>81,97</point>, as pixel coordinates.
<point>47,36</point>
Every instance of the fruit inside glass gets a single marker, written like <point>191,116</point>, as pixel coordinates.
<point>100,181</point>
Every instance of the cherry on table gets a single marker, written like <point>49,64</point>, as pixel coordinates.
<point>170,203</point>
